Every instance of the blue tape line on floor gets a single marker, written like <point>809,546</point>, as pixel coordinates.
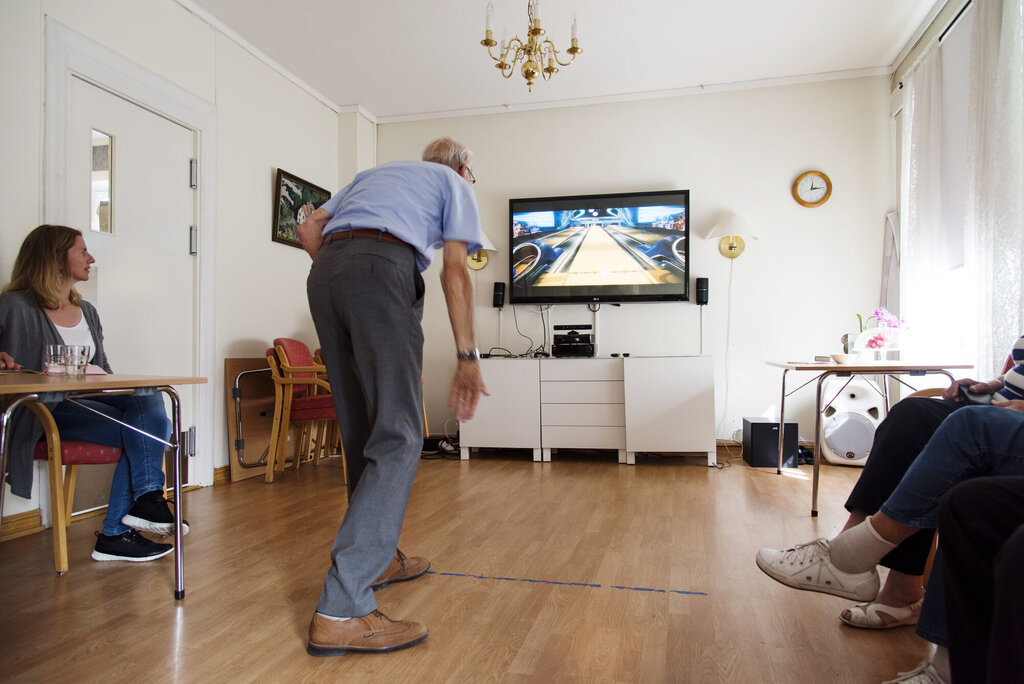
<point>568,584</point>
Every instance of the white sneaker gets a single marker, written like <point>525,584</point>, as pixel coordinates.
<point>809,567</point>
<point>924,673</point>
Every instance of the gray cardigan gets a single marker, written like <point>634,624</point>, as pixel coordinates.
<point>25,330</point>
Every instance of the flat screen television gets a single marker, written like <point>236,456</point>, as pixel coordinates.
<point>622,247</point>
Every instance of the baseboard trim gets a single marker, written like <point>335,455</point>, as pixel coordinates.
<point>21,525</point>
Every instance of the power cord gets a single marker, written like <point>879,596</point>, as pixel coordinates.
<point>447,448</point>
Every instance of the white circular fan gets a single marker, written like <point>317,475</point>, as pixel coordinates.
<point>848,422</point>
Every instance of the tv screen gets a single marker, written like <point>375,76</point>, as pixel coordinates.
<point>600,248</point>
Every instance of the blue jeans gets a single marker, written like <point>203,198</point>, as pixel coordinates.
<point>140,469</point>
<point>976,441</point>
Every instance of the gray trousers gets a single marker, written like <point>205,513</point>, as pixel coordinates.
<point>366,298</point>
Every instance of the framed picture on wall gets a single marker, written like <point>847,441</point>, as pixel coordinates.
<point>294,200</point>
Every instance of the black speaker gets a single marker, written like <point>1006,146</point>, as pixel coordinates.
<point>499,295</point>
<point>702,291</point>
<point>761,443</point>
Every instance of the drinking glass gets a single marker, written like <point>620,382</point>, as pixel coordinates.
<point>54,364</point>
<point>76,358</point>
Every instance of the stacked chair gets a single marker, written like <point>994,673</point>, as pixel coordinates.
<point>301,395</point>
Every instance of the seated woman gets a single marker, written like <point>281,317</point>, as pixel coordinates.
<point>898,441</point>
<point>39,307</point>
<point>976,441</point>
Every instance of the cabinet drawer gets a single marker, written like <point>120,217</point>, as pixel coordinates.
<point>581,369</point>
<point>613,415</point>
<point>564,437</point>
<point>593,392</point>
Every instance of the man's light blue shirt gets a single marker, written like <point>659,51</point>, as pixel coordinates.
<point>420,203</point>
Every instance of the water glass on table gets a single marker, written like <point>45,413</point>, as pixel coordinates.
<point>76,358</point>
<point>54,364</point>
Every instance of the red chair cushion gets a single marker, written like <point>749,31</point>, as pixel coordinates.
<point>80,453</point>
<point>316,407</point>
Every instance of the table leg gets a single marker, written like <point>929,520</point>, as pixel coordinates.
<point>782,421</point>
<point>179,559</point>
<point>817,444</point>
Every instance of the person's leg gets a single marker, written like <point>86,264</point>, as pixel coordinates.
<point>898,441</point>
<point>976,441</point>
<point>372,289</point>
<point>980,527</point>
<point>1006,657</point>
<point>972,442</point>
<point>140,469</point>
<point>336,347</point>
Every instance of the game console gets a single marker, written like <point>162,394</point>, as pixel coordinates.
<point>573,343</point>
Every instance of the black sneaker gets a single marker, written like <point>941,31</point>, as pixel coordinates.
<point>130,546</point>
<point>152,513</point>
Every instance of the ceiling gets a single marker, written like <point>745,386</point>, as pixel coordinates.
<point>400,59</point>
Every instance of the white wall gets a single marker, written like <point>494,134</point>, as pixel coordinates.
<point>264,122</point>
<point>795,290</point>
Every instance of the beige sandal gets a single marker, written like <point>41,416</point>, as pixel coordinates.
<point>873,615</point>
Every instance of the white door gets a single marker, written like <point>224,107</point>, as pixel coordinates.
<point>144,282</point>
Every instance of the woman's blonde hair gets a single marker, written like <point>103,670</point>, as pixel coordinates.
<point>41,265</point>
<point>448,152</point>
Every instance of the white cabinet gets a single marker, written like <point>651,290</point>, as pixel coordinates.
<point>670,405</point>
<point>510,417</point>
<point>655,404</point>
<point>582,405</point>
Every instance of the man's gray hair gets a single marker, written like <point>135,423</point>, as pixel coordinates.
<point>448,152</point>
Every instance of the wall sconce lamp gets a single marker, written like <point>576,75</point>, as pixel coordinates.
<point>478,260</point>
<point>731,229</point>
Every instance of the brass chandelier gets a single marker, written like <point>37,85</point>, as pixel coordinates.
<point>533,53</point>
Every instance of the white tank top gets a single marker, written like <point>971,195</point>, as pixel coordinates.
<point>78,334</point>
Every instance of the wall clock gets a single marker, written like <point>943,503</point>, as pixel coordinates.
<point>812,189</point>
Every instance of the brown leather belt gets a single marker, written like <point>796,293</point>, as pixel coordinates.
<point>365,233</point>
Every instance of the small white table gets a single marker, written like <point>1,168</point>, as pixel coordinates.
<point>828,369</point>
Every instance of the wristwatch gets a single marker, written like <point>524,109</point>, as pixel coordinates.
<point>469,355</point>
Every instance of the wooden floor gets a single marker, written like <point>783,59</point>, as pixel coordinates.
<point>580,570</point>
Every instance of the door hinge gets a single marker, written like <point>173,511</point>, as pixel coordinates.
<point>187,443</point>
<point>193,173</point>
<point>193,240</point>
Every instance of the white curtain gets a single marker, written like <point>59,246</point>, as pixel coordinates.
<point>924,268</point>
<point>995,176</point>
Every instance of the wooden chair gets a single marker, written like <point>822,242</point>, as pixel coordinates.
<point>297,381</point>
<point>62,485</point>
<point>333,440</point>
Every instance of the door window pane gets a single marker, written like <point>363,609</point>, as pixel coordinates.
<point>101,191</point>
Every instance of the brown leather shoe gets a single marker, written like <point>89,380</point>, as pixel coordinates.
<point>373,633</point>
<point>401,569</point>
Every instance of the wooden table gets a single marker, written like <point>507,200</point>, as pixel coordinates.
<point>828,369</point>
<point>32,389</point>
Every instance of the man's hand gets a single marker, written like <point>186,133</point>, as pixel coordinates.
<point>311,232</point>
<point>7,363</point>
<point>1012,404</point>
<point>953,391</point>
<point>467,386</point>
